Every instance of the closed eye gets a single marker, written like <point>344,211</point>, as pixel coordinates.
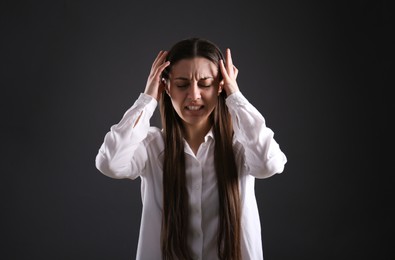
<point>202,86</point>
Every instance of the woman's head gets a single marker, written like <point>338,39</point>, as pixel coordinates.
<point>193,80</point>
<point>191,48</point>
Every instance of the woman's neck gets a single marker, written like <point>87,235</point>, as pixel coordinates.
<point>194,135</point>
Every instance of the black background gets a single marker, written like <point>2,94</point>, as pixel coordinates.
<point>318,72</point>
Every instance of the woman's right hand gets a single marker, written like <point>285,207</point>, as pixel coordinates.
<point>155,86</point>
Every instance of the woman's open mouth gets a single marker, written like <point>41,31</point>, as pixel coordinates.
<point>194,108</point>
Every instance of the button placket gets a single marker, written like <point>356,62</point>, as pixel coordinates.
<point>195,199</point>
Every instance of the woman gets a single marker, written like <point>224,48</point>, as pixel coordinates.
<point>198,172</point>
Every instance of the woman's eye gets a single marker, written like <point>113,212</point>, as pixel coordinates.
<point>200,85</point>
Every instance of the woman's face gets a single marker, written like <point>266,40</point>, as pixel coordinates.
<point>194,88</point>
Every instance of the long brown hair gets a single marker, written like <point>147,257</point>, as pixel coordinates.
<point>175,218</point>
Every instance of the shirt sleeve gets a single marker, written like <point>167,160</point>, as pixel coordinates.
<point>262,154</point>
<point>122,154</point>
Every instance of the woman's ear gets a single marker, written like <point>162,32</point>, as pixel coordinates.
<point>167,87</point>
<point>163,81</point>
<point>221,84</point>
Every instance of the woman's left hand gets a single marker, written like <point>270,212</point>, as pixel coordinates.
<point>229,74</point>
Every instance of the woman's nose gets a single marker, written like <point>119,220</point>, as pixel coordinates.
<point>194,91</point>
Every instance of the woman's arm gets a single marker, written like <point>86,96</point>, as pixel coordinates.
<point>262,154</point>
<point>123,154</point>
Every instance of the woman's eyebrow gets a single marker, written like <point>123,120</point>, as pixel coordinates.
<point>183,78</point>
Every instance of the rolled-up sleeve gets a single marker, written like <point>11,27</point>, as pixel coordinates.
<point>122,153</point>
<point>262,154</point>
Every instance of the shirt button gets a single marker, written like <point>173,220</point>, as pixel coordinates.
<point>196,187</point>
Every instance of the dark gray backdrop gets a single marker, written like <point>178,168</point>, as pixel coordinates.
<point>316,70</point>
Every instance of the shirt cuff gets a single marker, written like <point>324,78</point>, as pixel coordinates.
<point>146,100</point>
<point>236,99</point>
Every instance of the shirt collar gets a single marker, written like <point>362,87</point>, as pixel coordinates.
<point>207,137</point>
<point>210,134</point>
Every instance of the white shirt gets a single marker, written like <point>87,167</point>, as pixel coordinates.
<point>133,150</point>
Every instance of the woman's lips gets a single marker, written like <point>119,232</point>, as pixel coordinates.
<point>194,107</point>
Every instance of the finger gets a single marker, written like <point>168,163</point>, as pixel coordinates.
<point>235,71</point>
<point>159,58</point>
<point>229,62</point>
<point>223,69</point>
<point>160,68</point>
<point>163,66</point>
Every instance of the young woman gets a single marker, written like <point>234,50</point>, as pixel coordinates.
<point>198,171</point>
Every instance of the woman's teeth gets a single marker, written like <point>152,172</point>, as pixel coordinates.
<point>194,107</point>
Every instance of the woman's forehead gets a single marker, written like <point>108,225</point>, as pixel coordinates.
<point>195,67</point>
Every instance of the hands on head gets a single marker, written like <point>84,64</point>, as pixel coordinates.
<point>155,86</point>
<point>229,74</point>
